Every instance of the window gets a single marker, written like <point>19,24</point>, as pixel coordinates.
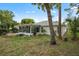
<point>37,29</point>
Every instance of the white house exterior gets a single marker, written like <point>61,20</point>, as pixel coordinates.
<point>44,25</point>
<point>55,23</point>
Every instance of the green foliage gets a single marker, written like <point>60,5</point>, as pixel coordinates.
<point>57,5</point>
<point>3,29</point>
<point>74,5</point>
<point>78,11</point>
<point>73,24</point>
<point>73,21</point>
<point>34,29</point>
<point>6,20</point>
<point>27,21</point>
<point>6,16</point>
<point>3,32</point>
<point>77,22</point>
<point>14,30</point>
<point>43,30</point>
<point>44,6</point>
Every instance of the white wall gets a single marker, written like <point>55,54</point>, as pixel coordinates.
<point>47,30</point>
<point>63,30</point>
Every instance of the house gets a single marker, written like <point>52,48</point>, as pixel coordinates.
<point>45,26</point>
<point>41,28</point>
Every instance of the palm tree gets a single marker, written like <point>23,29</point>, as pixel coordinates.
<point>75,5</point>
<point>47,7</point>
<point>59,11</point>
<point>58,6</point>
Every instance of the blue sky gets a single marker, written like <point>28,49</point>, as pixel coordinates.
<point>27,10</point>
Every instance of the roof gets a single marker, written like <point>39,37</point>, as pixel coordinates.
<point>42,23</point>
<point>45,23</point>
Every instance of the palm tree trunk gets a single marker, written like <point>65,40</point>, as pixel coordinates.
<point>52,33</point>
<point>59,27</point>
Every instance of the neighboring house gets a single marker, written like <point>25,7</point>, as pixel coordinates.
<point>27,28</point>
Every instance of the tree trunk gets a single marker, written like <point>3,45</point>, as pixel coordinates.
<point>52,33</point>
<point>59,25</point>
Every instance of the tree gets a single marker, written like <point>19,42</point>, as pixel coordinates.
<point>72,26</point>
<point>6,18</point>
<point>47,7</point>
<point>58,6</point>
<point>75,5</point>
<point>13,23</point>
<point>77,24</point>
<point>72,20</point>
<point>27,21</point>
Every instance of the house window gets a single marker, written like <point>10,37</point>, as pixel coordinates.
<point>24,29</point>
<point>37,29</point>
<point>20,28</point>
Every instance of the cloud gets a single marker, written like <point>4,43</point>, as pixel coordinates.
<point>30,12</point>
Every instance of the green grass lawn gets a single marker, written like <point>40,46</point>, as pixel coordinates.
<point>38,45</point>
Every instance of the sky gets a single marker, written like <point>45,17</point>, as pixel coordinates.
<point>27,10</point>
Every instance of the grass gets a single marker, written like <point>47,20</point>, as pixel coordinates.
<point>36,46</point>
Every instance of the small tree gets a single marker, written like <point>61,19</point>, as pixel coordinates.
<point>72,27</point>
<point>43,30</point>
<point>72,20</point>
<point>27,21</point>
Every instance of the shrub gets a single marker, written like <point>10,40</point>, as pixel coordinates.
<point>3,32</point>
<point>15,30</point>
<point>43,30</point>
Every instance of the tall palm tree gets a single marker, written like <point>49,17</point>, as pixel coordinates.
<point>59,11</point>
<point>47,7</point>
<point>58,6</point>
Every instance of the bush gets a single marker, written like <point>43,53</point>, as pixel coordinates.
<point>43,30</point>
<point>3,32</point>
<point>15,30</point>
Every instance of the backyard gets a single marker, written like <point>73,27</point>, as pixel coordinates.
<point>36,45</point>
